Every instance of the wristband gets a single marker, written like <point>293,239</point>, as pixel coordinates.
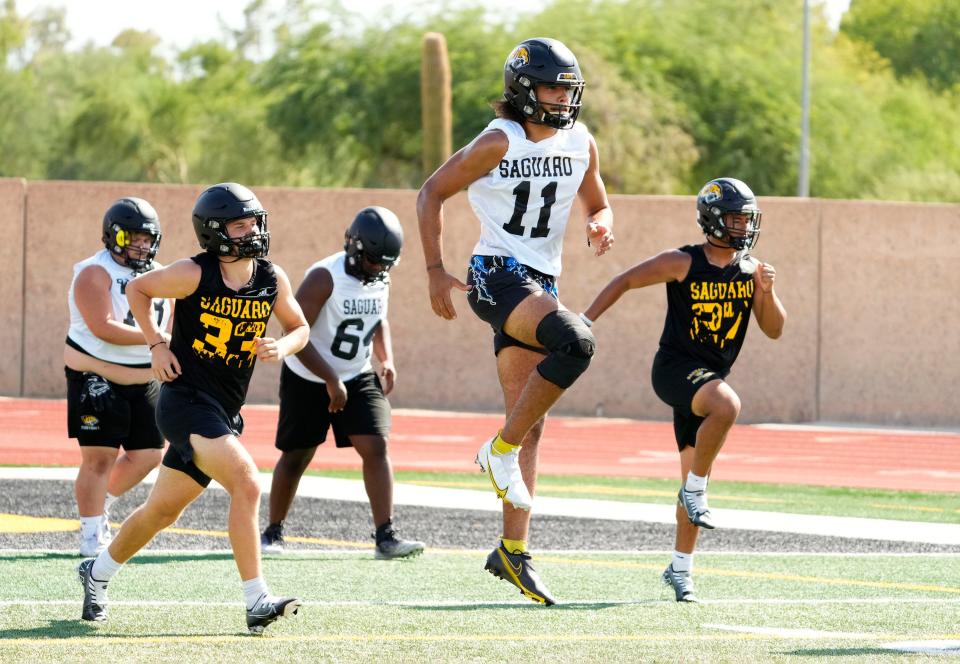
<point>152,346</point>
<point>435,266</point>
<point>586,321</point>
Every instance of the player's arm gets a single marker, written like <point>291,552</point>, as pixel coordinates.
<point>767,307</point>
<point>671,265</point>
<point>91,292</point>
<point>115,373</point>
<point>175,281</point>
<point>593,195</point>
<point>383,350</point>
<point>470,163</point>
<point>296,332</point>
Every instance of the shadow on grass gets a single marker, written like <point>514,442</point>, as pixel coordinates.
<point>561,606</point>
<point>54,629</point>
<point>841,652</point>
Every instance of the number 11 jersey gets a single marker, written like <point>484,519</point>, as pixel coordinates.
<point>524,203</point>
<point>343,330</point>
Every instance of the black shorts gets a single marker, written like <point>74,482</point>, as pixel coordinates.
<point>676,379</point>
<point>305,415</point>
<point>128,419</point>
<point>500,283</point>
<point>182,411</point>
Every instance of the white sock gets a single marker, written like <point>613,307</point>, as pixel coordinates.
<point>695,482</point>
<point>108,502</point>
<point>253,590</point>
<point>104,567</point>
<point>682,562</point>
<point>89,526</point>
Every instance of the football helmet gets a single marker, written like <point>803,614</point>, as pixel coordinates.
<point>225,202</point>
<point>373,240</point>
<point>724,196</point>
<point>129,215</point>
<point>542,61</point>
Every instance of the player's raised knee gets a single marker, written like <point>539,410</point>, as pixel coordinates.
<point>570,344</point>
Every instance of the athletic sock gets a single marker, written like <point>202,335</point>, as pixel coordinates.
<point>695,482</point>
<point>682,562</point>
<point>89,525</point>
<point>108,502</point>
<point>514,546</point>
<point>253,590</point>
<point>104,567</point>
<point>501,447</point>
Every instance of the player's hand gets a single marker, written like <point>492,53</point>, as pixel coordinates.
<point>764,277</point>
<point>96,392</point>
<point>267,349</point>
<point>338,396</point>
<point>441,283</point>
<point>599,237</point>
<point>164,363</point>
<point>388,376</point>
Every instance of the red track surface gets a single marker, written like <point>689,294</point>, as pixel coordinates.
<point>33,432</point>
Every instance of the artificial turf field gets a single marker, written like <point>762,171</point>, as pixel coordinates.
<point>443,607</point>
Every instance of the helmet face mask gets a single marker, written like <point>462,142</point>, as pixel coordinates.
<point>218,206</point>
<point>717,201</point>
<point>372,243</point>
<point>124,218</point>
<point>537,63</point>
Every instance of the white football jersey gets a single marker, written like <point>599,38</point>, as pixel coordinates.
<point>524,203</point>
<point>343,331</point>
<point>80,334</point>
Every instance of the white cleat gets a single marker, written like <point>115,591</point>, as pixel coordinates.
<point>504,473</point>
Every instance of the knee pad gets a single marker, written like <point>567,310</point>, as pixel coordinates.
<point>570,345</point>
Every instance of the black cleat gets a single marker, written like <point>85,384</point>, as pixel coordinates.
<point>271,541</point>
<point>268,609</point>
<point>681,582</point>
<point>518,570</point>
<point>391,547</point>
<point>92,610</point>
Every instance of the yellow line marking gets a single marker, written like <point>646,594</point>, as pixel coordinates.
<point>912,508</point>
<point>591,489</point>
<point>18,523</point>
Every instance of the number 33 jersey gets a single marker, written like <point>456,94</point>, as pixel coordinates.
<point>343,331</point>
<point>214,329</point>
<point>524,203</point>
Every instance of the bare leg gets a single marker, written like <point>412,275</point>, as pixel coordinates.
<point>537,395</point>
<point>227,461</point>
<point>130,469</point>
<point>171,494</point>
<point>286,479</point>
<point>686,539</point>
<point>719,404</point>
<point>92,478</point>
<point>377,475</point>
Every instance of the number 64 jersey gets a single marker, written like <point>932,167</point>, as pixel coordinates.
<point>524,203</point>
<point>344,328</point>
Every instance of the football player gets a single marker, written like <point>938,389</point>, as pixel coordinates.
<point>711,289</point>
<point>522,174</point>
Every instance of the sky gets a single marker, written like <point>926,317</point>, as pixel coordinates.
<point>180,23</point>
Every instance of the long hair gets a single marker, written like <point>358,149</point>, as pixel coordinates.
<point>504,110</point>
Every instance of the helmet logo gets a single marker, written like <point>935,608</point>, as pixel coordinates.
<point>567,77</point>
<point>711,193</point>
<point>519,57</point>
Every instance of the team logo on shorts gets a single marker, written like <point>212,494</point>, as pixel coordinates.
<point>699,375</point>
<point>89,423</point>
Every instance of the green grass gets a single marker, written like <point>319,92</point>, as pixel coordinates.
<point>444,608</point>
<point>795,499</point>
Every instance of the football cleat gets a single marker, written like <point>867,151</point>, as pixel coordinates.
<point>268,609</point>
<point>94,593</point>
<point>681,582</point>
<point>392,547</point>
<point>504,473</point>
<point>695,503</point>
<point>271,541</point>
<point>517,568</point>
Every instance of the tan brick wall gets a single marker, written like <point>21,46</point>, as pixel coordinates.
<point>873,333</point>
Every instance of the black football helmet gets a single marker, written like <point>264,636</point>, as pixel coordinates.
<point>126,216</point>
<point>374,238</point>
<point>226,202</point>
<point>542,61</point>
<point>728,196</point>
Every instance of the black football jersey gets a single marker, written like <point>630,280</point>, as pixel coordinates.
<point>708,312</point>
<point>214,328</point>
